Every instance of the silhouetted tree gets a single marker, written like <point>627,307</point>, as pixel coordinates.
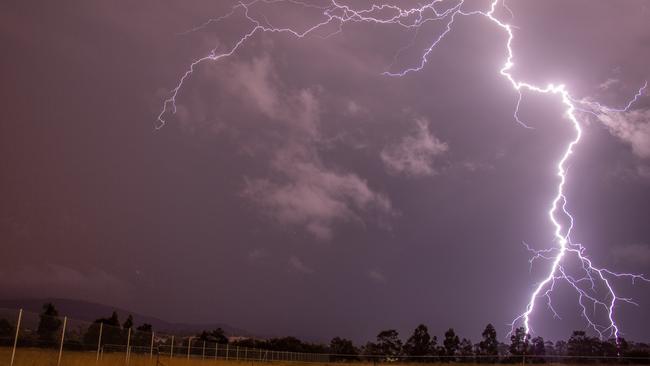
<point>49,323</point>
<point>419,343</point>
<point>580,344</point>
<point>6,329</point>
<point>503,349</point>
<point>489,346</point>
<point>113,321</point>
<point>641,351</point>
<point>466,350</point>
<point>371,349</point>
<point>246,342</point>
<point>142,335</point>
<point>451,344</point>
<point>549,347</point>
<point>111,333</point>
<point>216,336</point>
<point>128,323</point>
<point>614,348</point>
<point>126,328</point>
<point>291,344</point>
<point>561,348</point>
<point>342,346</point>
<point>388,343</point>
<point>538,348</point>
<point>519,344</point>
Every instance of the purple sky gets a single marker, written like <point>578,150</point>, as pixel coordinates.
<point>297,191</point>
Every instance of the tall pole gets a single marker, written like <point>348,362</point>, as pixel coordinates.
<point>65,323</point>
<point>13,351</point>
<point>99,341</point>
<point>171,351</point>
<point>128,344</point>
<point>151,347</point>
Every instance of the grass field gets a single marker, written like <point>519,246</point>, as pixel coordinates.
<point>49,357</point>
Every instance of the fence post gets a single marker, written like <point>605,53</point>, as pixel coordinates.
<point>189,347</point>
<point>245,353</point>
<point>13,351</point>
<point>128,344</point>
<point>65,322</point>
<point>151,347</point>
<point>171,351</point>
<point>216,350</point>
<point>99,341</point>
<point>227,351</point>
<point>203,351</point>
<point>237,353</point>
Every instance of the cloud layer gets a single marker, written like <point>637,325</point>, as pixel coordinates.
<point>414,155</point>
<point>632,127</point>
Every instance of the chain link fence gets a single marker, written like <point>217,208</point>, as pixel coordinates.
<point>30,339</point>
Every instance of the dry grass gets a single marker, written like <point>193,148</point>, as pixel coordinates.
<point>49,357</point>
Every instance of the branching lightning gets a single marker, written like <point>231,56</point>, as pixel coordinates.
<point>591,282</point>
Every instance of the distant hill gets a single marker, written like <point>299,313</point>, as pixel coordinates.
<point>89,311</point>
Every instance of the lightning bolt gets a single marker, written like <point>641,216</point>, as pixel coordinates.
<point>336,15</point>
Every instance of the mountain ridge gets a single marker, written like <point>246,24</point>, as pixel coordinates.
<point>90,311</point>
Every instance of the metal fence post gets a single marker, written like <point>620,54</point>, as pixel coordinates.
<point>99,341</point>
<point>13,351</point>
<point>151,347</point>
<point>128,344</point>
<point>189,347</point>
<point>237,353</point>
<point>216,350</point>
<point>227,351</point>
<point>65,322</point>
<point>203,351</point>
<point>171,351</point>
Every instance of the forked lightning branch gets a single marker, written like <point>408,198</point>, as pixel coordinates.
<point>593,285</point>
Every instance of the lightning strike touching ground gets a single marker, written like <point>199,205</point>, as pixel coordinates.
<point>591,278</point>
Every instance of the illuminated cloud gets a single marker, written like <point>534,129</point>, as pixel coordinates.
<point>414,154</point>
<point>608,84</point>
<point>632,127</point>
<point>296,264</point>
<point>303,191</point>
<point>314,196</point>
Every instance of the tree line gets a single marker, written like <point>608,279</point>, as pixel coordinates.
<point>388,345</point>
